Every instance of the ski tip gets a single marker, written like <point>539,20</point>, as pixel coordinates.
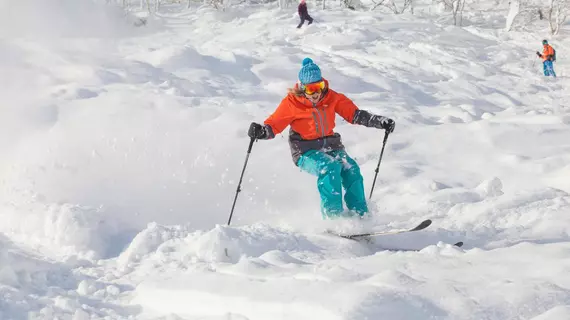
<point>423,225</point>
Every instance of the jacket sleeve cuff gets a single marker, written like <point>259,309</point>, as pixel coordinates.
<point>362,117</point>
<point>367,119</point>
<point>269,132</point>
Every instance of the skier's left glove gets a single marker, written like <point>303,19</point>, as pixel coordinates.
<point>381,122</point>
<point>538,54</point>
<point>365,118</point>
<point>389,125</point>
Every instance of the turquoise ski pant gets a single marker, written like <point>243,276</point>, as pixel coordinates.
<point>335,170</point>
<point>548,68</point>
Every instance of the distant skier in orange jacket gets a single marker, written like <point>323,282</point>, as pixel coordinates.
<point>548,56</point>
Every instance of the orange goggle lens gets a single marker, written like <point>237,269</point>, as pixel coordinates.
<point>314,87</point>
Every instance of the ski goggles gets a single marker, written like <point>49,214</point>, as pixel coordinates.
<point>311,88</point>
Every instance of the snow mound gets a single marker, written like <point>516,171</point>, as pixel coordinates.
<point>556,313</point>
<point>36,288</point>
<point>386,284</point>
<point>72,229</point>
<point>491,188</point>
<point>149,241</point>
<point>222,244</point>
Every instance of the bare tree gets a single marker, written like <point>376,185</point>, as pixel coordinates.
<point>557,14</point>
<point>393,6</point>
<point>456,8</point>
<point>220,4</point>
<point>284,3</point>
<point>351,4</point>
<point>377,4</point>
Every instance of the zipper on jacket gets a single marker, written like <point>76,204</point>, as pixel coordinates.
<point>316,123</point>
<point>324,122</point>
<point>321,121</point>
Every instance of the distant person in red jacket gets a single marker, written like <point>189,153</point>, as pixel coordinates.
<point>304,13</point>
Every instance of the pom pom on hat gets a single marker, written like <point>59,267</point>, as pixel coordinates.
<point>306,61</point>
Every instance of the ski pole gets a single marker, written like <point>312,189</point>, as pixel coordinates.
<point>241,178</point>
<point>379,160</point>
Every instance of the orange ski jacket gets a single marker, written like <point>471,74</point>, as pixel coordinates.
<point>547,52</point>
<point>308,120</point>
<point>312,125</point>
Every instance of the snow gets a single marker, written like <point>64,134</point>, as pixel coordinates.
<point>383,285</point>
<point>122,148</point>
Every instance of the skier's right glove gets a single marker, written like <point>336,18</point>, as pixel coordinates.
<point>538,54</point>
<point>258,131</point>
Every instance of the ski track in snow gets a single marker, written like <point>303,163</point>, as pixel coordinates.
<point>122,149</point>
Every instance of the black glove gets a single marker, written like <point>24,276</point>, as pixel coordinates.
<point>257,131</point>
<point>538,54</point>
<point>365,118</point>
<point>388,124</point>
<point>381,122</point>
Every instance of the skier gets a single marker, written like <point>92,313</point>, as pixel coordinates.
<point>310,108</point>
<point>548,55</point>
<point>303,13</point>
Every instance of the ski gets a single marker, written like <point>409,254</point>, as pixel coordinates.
<point>367,236</point>
<point>457,245</point>
<point>424,224</point>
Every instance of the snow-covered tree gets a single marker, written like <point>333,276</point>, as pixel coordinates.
<point>523,13</point>
<point>514,10</point>
<point>557,14</point>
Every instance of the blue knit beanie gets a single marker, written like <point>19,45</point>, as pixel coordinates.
<point>310,72</point>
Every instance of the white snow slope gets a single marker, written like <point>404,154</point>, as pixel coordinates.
<point>122,148</point>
